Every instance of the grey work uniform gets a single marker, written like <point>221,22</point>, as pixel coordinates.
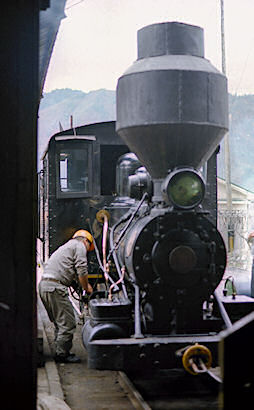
<point>65,265</point>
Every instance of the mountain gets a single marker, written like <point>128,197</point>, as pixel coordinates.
<point>57,107</point>
<point>241,139</point>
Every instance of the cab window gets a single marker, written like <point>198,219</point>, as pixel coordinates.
<point>74,170</point>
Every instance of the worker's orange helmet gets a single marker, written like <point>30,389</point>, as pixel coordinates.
<point>87,235</point>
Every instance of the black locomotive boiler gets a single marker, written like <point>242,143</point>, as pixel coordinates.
<point>172,112</point>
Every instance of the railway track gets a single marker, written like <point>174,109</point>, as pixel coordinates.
<point>88,389</point>
<point>177,390</point>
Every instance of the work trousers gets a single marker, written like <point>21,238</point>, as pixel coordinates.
<point>60,311</point>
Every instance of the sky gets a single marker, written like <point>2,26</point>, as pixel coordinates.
<point>97,41</point>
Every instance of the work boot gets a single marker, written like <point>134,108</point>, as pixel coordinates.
<point>71,358</point>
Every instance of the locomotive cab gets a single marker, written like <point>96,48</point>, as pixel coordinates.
<point>78,178</point>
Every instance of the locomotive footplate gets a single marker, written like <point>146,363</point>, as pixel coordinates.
<point>145,353</point>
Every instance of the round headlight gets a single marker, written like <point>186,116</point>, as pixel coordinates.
<point>185,188</point>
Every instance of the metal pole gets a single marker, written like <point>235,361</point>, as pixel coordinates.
<point>223,56</point>
<point>227,162</point>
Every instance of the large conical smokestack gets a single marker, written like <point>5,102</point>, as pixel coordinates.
<point>172,104</point>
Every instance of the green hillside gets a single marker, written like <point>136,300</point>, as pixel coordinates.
<point>241,137</point>
<point>57,106</point>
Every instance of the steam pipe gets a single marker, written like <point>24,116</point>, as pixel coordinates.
<point>98,254</point>
<point>114,246</point>
<point>118,268</point>
<point>119,281</point>
<point>104,244</point>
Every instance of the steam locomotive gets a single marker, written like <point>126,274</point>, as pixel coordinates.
<point>147,192</point>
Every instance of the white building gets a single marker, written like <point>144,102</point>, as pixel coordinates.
<point>236,227</point>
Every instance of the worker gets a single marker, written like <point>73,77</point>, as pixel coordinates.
<point>67,263</point>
